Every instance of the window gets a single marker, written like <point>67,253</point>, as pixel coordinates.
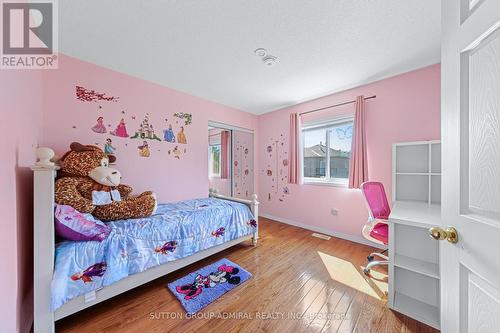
<point>214,160</point>
<point>327,151</point>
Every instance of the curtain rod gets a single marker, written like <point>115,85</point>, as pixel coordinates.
<point>335,105</point>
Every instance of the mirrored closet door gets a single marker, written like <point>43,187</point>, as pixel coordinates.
<point>243,155</point>
<point>231,160</point>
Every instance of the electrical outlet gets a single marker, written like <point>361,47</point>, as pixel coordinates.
<point>334,212</point>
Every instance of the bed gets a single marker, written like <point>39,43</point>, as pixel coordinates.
<point>136,251</point>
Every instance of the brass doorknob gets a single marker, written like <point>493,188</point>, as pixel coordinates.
<point>450,234</point>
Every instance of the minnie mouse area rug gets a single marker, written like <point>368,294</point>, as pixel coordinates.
<point>198,289</point>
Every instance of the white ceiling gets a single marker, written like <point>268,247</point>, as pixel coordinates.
<point>205,48</point>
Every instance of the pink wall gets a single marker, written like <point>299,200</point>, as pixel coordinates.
<point>67,119</point>
<point>21,110</point>
<point>407,108</point>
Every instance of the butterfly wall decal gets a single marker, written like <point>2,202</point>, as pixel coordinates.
<point>344,133</point>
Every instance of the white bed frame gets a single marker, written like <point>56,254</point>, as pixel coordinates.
<point>44,236</point>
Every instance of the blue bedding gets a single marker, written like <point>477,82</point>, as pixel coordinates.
<point>177,230</point>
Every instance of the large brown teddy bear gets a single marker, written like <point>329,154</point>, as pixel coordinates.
<point>89,185</point>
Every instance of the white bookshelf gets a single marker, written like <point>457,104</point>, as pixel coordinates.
<point>414,278</point>
<point>416,171</point>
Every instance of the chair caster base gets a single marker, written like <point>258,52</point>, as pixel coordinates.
<point>374,263</point>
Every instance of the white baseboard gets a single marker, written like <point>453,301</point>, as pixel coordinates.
<point>352,238</point>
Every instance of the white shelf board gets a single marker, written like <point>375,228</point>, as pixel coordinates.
<point>412,143</point>
<point>415,309</point>
<point>413,173</point>
<point>415,265</point>
<point>416,213</point>
<point>419,173</point>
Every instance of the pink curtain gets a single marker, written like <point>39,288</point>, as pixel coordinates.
<point>293,163</point>
<point>358,166</point>
<point>224,150</point>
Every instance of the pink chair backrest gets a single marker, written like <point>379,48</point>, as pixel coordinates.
<point>376,199</point>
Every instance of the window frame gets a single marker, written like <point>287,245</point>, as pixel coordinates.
<point>210,161</point>
<point>328,126</point>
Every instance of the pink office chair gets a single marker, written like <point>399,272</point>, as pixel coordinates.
<point>376,229</point>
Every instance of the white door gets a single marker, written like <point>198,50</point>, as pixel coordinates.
<point>470,269</point>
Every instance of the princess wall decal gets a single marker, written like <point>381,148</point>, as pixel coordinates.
<point>121,130</point>
<point>177,152</point>
<point>144,149</point>
<point>108,147</point>
<point>99,127</point>
<point>181,136</point>
<point>168,134</point>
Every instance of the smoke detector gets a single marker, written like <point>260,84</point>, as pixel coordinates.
<point>260,52</point>
<point>268,59</point>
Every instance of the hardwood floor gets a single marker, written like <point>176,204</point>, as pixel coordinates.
<point>300,284</point>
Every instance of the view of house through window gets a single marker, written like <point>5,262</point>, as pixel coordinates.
<point>327,151</point>
<point>214,160</point>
